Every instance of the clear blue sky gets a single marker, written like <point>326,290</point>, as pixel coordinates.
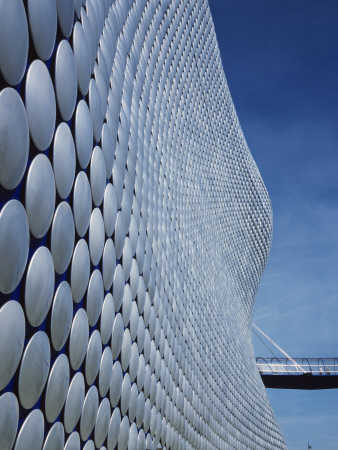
<point>281,62</point>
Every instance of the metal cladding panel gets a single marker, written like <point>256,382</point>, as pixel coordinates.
<point>134,229</point>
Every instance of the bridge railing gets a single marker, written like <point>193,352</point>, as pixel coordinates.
<point>280,366</point>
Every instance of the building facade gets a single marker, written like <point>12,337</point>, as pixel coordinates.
<point>134,229</point>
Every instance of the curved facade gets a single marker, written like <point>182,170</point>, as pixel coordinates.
<point>134,230</point>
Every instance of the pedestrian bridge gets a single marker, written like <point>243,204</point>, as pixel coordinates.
<point>298,373</point>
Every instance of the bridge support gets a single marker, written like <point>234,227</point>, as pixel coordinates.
<point>303,381</point>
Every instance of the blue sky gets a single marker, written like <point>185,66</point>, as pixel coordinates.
<point>281,63</point>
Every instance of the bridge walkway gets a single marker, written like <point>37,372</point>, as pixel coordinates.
<point>298,373</point>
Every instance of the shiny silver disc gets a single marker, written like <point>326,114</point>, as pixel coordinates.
<point>82,61</point>
<point>97,176</point>
<point>107,318</point>
<point>80,270</point>
<point>114,429</point>
<point>14,245</point>
<point>96,111</point>
<point>31,433</point>
<point>62,315</point>
<point>79,336</point>
<point>34,369</point>
<point>116,384</point>
<point>64,160</point>
<point>83,134</point>
<point>65,9</point>
<point>102,423</point>
<point>96,236</point>
<point>42,24</point>
<point>40,104</point>
<point>14,138</point>
<point>40,195</point>
<point>93,357</point>
<point>117,336</point>
<point>39,286</point>
<point>74,402</point>
<point>73,442</point>
<point>89,412</point>
<point>9,419</point>
<point>62,237</point>
<point>106,371</point>
<point>95,294</point>
<point>65,80</point>
<point>109,209</point>
<point>14,40</point>
<point>55,439</point>
<point>82,203</point>
<point>57,388</point>
<point>12,335</point>
<point>108,264</point>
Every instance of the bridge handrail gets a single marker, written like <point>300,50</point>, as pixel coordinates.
<point>321,366</point>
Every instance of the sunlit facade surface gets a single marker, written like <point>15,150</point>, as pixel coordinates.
<point>134,230</point>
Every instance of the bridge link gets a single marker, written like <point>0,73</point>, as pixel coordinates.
<point>298,373</point>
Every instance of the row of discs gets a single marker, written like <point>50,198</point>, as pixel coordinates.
<point>113,330</point>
